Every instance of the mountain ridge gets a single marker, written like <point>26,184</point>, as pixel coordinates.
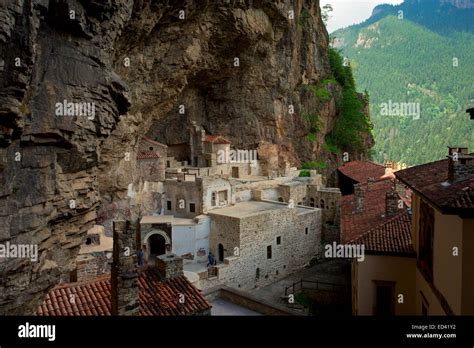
<point>401,60</point>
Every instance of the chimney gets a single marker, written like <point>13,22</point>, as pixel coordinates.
<point>370,181</point>
<point>392,201</point>
<point>124,273</point>
<point>169,266</point>
<point>358,198</point>
<point>460,163</point>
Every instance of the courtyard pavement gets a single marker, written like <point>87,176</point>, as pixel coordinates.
<point>332,271</point>
<point>222,307</point>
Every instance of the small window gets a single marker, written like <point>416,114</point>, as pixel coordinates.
<point>269,252</point>
<point>213,199</point>
<point>192,207</point>
<point>151,148</point>
<point>168,205</point>
<point>306,230</point>
<point>257,273</point>
<point>88,241</point>
<point>168,164</point>
<point>280,199</point>
<point>278,240</point>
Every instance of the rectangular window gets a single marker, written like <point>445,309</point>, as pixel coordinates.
<point>222,197</point>
<point>269,252</point>
<point>385,298</point>
<point>192,207</point>
<point>306,230</point>
<point>168,205</point>
<point>213,199</point>
<point>278,240</point>
<point>426,234</point>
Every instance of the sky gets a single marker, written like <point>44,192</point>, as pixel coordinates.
<point>348,12</point>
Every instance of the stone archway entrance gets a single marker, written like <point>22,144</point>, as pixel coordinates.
<point>157,243</point>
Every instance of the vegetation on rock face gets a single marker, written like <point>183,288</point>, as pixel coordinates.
<point>422,57</point>
<point>305,173</point>
<point>314,165</point>
<point>353,121</point>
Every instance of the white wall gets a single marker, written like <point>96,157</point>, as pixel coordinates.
<point>190,238</point>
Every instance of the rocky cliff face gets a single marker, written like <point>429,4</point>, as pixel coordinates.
<point>136,61</point>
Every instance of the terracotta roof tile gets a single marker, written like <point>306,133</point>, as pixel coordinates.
<point>147,155</point>
<point>360,171</point>
<point>391,237</point>
<point>353,224</point>
<point>431,182</point>
<point>156,297</point>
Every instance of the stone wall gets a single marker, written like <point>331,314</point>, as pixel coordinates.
<point>181,194</point>
<point>169,266</point>
<point>124,272</point>
<point>225,230</point>
<point>295,191</point>
<point>151,169</point>
<point>329,200</point>
<point>90,266</point>
<point>215,185</point>
<point>299,230</point>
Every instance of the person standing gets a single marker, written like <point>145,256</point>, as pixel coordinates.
<point>211,259</point>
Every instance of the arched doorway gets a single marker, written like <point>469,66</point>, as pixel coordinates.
<point>220,251</point>
<point>157,244</point>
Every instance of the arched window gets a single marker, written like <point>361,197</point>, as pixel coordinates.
<point>322,204</point>
<point>311,202</point>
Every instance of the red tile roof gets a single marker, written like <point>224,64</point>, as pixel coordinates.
<point>360,171</point>
<point>216,139</point>
<point>392,237</point>
<point>353,225</point>
<point>431,182</point>
<point>156,297</point>
<point>147,155</point>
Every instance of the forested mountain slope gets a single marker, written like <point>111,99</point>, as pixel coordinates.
<point>420,53</point>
